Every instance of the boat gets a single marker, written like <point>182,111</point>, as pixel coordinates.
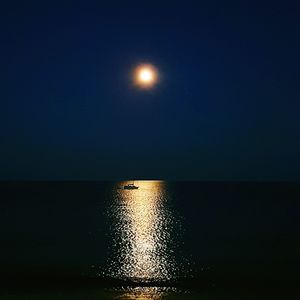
<point>130,186</point>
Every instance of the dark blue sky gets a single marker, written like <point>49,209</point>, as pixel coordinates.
<point>226,108</point>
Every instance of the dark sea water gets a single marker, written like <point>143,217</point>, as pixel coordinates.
<point>165,240</point>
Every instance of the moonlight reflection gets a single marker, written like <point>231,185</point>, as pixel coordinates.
<point>142,249</point>
<point>145,293</point>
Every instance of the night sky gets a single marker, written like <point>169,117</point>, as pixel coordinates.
<point>226,107</point>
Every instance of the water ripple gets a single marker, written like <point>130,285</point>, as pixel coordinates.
<point>142,248</point>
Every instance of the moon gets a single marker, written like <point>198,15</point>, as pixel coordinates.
<point>145,76</point>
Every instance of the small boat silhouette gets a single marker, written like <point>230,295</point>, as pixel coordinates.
<point>130,186</point>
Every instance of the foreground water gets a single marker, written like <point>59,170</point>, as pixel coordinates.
<point>138,293</point>
<point>141,293</point>
<point>163,240</point>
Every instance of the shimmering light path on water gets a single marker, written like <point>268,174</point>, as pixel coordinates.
<point>145,293</point>
<point>143,246</point>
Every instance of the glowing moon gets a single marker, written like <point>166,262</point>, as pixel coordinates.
<point>145,76</point>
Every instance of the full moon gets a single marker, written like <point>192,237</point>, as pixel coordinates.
<point>145,76</point>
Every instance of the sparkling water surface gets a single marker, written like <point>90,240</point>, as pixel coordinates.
<point>165,240</point>
<point>142,225</point>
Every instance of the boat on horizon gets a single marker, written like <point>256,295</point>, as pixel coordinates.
<point>130,186</point>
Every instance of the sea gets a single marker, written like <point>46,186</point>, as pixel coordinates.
<point>164,240</point>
